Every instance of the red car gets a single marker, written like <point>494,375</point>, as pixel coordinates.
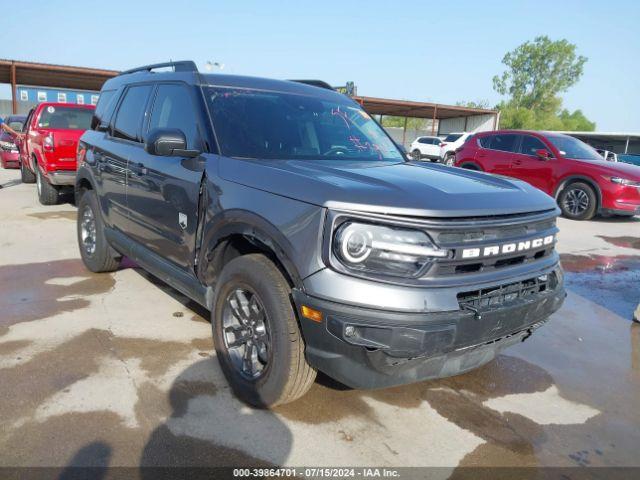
<point>569,170</point>
<point>9,155</point>
<point>48,150</point>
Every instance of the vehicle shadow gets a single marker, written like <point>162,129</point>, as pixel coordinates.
<point>91,461</point>
<point>208,427</point>
<point>11,183</point>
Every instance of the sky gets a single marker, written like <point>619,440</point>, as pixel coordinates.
<point>441,52</point>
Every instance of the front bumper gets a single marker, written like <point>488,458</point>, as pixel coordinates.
<point>369,348</point>
<point>62,177</point>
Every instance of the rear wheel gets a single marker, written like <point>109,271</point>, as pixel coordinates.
<point>96,253</point>
<point>416,154</point>
<point>578,201</point>
<point>256,334</point>
<point>47,193</point>
<point>26,175</point>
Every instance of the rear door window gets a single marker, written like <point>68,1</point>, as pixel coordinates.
<point>129,117</point>
<point>504,142</point>
<point>173,108</point>
<point>452,137</point>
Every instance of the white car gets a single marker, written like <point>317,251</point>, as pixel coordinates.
<point>426,147</point>
<point>450,144</point>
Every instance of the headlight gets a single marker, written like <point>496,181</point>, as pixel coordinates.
<point>7,145</point>
<point>625,181</point>
<point>384,250</point>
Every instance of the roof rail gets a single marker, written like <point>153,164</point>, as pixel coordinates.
<point>181,66</point>
<point>315,83</point>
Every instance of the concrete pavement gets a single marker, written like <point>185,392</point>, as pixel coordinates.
<point>119,369</point>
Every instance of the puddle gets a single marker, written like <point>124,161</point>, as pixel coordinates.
<point>625,242</point>
<point>612,282</point>
<point>33,291</point>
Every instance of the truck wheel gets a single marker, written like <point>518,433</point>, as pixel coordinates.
<point>96,253</point>
<point>416,154</point>
<point>256,334</point>
<point>47,193</point>
<point>26,175</point>
<point>578,201</point>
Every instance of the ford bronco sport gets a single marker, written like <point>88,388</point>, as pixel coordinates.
<point>290,214</point>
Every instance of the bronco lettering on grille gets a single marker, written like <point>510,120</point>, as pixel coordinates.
<point>505,248</point>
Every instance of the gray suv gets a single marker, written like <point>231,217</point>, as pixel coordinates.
<point>289,213</point>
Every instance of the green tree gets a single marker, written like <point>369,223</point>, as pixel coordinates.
<point>483,104</point>
<point>538,71</point>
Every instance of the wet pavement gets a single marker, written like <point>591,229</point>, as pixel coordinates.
<point>119,370</point>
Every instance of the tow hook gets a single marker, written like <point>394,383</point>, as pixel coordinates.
<point>477,314</point>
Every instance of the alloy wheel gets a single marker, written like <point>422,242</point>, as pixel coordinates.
<point>245,332</point>
<point>576,201</point>
<point>88,231</point>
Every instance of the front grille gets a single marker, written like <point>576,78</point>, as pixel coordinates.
<point>487,236</point>
<point>504,294</point>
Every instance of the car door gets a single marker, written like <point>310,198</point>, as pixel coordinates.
<point>528,166</point>
<point>163,191</point>
<point>496,152</point>
<point>112,152</point>
<point>22,142</point>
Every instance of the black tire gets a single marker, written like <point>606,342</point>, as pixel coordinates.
<point>578,201</point>
<point>285,375</point>
<point>102,258</point>
<point>449,159</point>
<point>26,175</point>
<point>47,193</point>
<point>416,155</point>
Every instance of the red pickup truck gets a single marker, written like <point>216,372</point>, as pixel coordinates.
<point>48,148</point>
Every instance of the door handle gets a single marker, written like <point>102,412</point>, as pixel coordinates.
<point>517,162</point>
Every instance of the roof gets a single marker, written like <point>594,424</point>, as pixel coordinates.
<point>406,108</point>
<point>56,76</point>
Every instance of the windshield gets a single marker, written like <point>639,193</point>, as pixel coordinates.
<point>66,118</point>
<point>452,137</point>
<point>570,147</point>
<point>276,125</point>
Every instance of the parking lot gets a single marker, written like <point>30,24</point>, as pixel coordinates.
<point>119,369</point>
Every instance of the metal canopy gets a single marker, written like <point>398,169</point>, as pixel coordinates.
<point>405,108</point>
<point>17,72</point>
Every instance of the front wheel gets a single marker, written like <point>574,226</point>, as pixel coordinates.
<point>26,175</point>
<point>578,201</point>
<point>256,334</point>
<point>416,154</point>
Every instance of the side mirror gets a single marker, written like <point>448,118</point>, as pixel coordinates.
<point>543,154</point>
<point>168,142</point>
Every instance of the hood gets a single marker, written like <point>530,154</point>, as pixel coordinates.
<point>412,189</point>
<point>620,169</point>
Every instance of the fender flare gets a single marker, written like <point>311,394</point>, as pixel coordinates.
<point>579,178</point>
<point>252,227</point>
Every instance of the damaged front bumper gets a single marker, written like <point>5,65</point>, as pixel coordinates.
<point>371,348</point>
